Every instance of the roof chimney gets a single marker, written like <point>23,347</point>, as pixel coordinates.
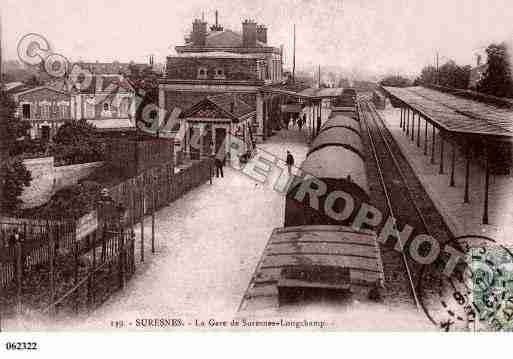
<point>262,33</point>
<point>249,33</point>
<point>216,26</point>
<point>199,33</point>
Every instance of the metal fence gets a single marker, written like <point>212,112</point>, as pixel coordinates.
<point>45,267</point>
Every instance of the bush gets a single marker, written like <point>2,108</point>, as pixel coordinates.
<point>16,177</point>
<point>77,142</point>
<point>73,202</point>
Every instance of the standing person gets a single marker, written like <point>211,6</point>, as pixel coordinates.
<point>16,238</point>
<point>300,124</point>
<point>290,162</point>
<point>106,212</point>
<point>219,166</point>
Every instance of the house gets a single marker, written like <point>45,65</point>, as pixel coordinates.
<point>107,101</point>
<point>221,61</point>
<point>44,107</point>
<point>212,119</point>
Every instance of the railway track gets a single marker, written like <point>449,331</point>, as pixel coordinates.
<point>397,192</point>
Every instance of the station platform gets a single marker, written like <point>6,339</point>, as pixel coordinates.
<point>462,218</point>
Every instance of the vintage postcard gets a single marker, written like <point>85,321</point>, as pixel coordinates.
<point>255,166</point>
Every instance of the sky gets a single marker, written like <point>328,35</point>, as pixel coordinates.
<point>365,36</point>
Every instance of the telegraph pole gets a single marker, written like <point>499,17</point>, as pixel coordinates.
<point>437,69</point>
<point>294,58</point>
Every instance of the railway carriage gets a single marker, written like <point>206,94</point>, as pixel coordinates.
<point>336,158</point>
<point>315,264</point>
<point>338,120</point>
<point>345,104</point>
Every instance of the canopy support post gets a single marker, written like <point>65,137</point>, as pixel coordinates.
<point>487,185</point>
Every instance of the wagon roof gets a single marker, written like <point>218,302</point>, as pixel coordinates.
<point>339,136</point>
<point>329,246</point>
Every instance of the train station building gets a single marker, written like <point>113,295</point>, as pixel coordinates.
<point>217,61</point>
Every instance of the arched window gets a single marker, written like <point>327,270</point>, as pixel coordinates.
<point>106,106</point>
<point>202,73</point>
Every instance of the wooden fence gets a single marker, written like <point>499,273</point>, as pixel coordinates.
<point>158,187</point>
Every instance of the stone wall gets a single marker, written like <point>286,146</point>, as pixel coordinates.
<point>48,179</point>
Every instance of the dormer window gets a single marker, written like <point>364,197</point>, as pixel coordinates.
<point>202,73</point>
<point>219,73</point>
<point>106,106</point>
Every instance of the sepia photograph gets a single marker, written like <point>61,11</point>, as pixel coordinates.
<point>268,167</point>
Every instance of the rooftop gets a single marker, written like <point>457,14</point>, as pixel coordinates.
<point>456,114</point>
<point>219,54</point>
<point>106,83</point>
<point>220,106</point>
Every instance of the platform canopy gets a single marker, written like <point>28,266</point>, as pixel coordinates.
<point>303,92</point>
<point>456,114</point>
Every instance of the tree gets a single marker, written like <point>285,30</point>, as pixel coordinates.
<point>395,81</point>
<point>449,74</point>
<point>428,75</point>
<point>16,177</point>
<point>14,128</point>
<point>454,76</point>
<point>497,78</point>
<point>78,142</point>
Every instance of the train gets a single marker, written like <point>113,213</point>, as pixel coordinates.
<point>336,158</point>
<point>318,255</point>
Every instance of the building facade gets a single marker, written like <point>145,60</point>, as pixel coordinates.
<point>106,101</point>
<point>45,108</point>
<point>218,61</point>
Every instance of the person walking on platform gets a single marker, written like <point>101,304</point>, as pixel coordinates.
<point>290,162</point>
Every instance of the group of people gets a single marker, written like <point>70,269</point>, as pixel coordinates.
<point>221,162</point>
<point>299,121</point>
